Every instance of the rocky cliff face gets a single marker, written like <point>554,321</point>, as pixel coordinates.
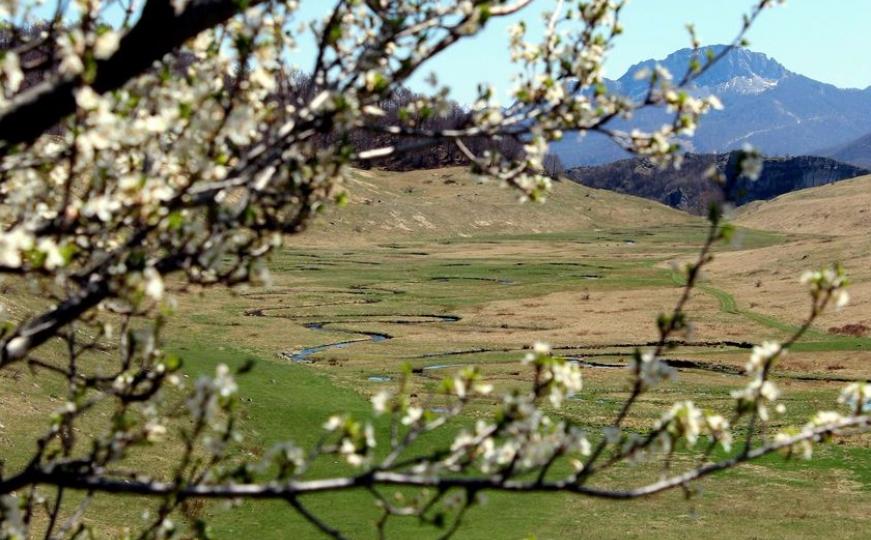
<point>687,189</point>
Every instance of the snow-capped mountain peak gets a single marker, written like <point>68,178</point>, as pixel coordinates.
<point>741,71</point>
<point>766,105</point>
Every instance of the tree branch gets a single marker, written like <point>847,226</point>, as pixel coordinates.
<point>57,476</point>
<point>159,31</point>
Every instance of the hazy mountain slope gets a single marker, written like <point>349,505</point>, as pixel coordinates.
<point>685,188</point>
<point>841,209</point>
<point>446,203</point>
<point>857,152</point>
<point>766,105</point>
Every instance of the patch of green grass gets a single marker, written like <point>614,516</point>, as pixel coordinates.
<point>683,236</point>
<point>814,340</point>
<point>290,402</point>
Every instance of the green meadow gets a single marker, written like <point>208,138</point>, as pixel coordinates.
<point>442,297</point>
<point>393,289</point>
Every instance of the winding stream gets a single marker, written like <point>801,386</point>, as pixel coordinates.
<point>302,355</point>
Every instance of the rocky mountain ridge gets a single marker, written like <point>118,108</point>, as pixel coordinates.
<point>766,105</point>
<point>687,189</point>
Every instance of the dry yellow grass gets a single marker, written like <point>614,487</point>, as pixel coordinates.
<point>839,209</point>
<point>837,221</point>
<point>446,203</point>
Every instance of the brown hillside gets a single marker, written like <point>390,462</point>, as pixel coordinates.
<point>837,221</point>
<point>445,203</point>
<point>840,209</point>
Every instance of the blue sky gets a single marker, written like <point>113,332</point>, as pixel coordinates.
<point>827,40</point>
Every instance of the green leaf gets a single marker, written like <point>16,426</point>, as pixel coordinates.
<point>175,221</point>
<point>334,34</point>
<point>172,362</point>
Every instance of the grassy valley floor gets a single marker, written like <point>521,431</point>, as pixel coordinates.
<point>432,270</point>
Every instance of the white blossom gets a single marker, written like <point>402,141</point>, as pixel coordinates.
<point>12,72</point>
<point>652,370</point>
<point>12,244</point>
<point>153,284</point>
<point>412,416</point>
<point>333,423</point>
<point>106,44</point>
<point>12,524</point>
<point>857,397</point>
<point>381,400</point>
<point>761,355</point>
<point>751,163</point>
<point>540,347</point>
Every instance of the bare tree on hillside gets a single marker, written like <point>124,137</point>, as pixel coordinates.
<point>553,166</point>
<point>199,177</point>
